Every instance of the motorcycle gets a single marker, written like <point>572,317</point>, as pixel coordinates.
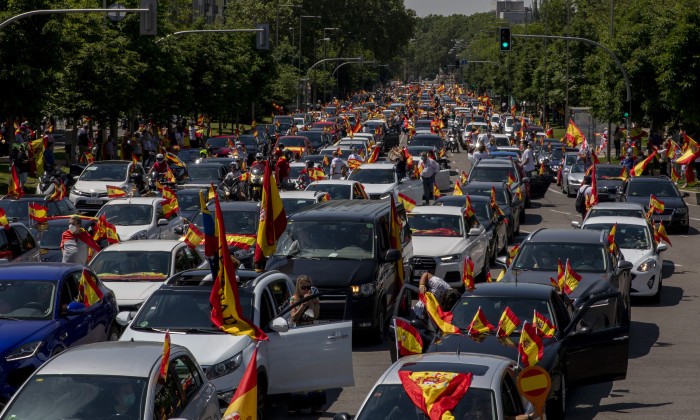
<point>255,181</point>
<point>48,181</point>
<point>232,190</point>
<point>154,178</point>
<point>453,144</point>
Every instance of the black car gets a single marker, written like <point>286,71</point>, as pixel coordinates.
<point>638,189</point>
<point>511,206</point>
<point>495,225</point>
<point>17,209</point>
<point>189,156</point>
<point>17,244</point>
<point>552,155</point>
<point>608,181</point>
<point>415,151</point>
<point>498,170</point>
<point>589,345</point>
<point>318,139</point>
<point>431,140</point>
<point>188,200</point>
<point>206,172</point>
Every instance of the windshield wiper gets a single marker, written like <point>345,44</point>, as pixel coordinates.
<point>145,328</point>
<point>9,318</point>
<point>199,330</point>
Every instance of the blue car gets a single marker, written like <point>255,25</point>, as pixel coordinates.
<point>40,316</point>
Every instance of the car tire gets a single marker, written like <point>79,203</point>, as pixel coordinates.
<point>114,332</point>
<point>556,410</point>
<point>262,392</point>
<point>379,329</point>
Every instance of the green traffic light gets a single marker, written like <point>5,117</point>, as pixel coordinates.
<point>627,114</point>
<point>504,45</point>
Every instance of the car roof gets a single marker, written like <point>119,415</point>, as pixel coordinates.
<point>495,162</point>
<point>334,182</point>
<point>37,271</point>
<point>519,290</point>
<point>237,206</point>
<point>376,165</point>
<point>480,185</point>
<point>472,198</point>
<point>134,200</point>
<point>566,236</point>
<point>143,245</point>
<point>612,220</point>
<point>27,197</point>
<point>654,179</point>
<point>350,210</point>
<point>626,205</point>
<point>300,194</point>
<point>115,358</point>
<point>449,210</point>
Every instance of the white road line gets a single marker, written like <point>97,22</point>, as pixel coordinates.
<point>694,205</point>
<point>672,263</point>
<point>555,191</point>
<point>693,218</point>
<point>562,212</point>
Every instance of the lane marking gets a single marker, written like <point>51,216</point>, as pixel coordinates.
<point>693,218</point>
<point>666,262</point>
<point>555,191</point>
<point>562,212</point>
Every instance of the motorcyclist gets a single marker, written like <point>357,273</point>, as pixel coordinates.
<point>203,154</point>
<point>258,159</point>
<point>282,168</point>
<point>232,181</point>
<point>235,172</point>
<point>160,166</point>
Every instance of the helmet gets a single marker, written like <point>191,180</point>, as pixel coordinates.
<point>203,152</point>
<point>159,157</point>
<point>258,156</point>
<point>234,164</point>
<point>309,163</point>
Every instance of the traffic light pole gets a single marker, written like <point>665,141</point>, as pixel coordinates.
<point>611,54</point>
<point>65,11</point>
<point>208,31</point>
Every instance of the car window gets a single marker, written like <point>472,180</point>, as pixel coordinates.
<point>602,314</point>
<point>509,396</point>
<point>13,241</point>
<point>70,289</point>
<point>53,208</point>
<point>4,247</point>
<point>267,313</point>
<point>189,378</point>
<point>167,400</point>
<point>159,212</point>
<point>280,294</point>
<point>25,239</point>
<point>181,261</point>
<point>62,207</point>
<point>193,257</point>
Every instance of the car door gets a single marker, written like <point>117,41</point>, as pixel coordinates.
<point>597,341</point>
<point>74,329</point>
<point>199,399</point>
<point>155,231</point>
<point>23,245</point>
<point>5,252</point>
<point>322,354</point>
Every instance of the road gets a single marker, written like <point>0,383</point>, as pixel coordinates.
<point>663,375</point>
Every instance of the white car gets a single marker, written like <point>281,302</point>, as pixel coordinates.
<point>90,190</point>
<point>380,182</point>
<point>321,352</point>
<point>442,242</point>
<point>340,189</point>
<point>293,201</point>
<point>133,270</point>
<point>141,218</point>
<point>635,239</point>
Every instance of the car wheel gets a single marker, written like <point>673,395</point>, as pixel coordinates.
<point>684,229</point>
<point>484,274</point>
<point>114,332</point>
<point>522,216</point>
<point>380,326</point>
<point>557,409</point>
<point>657,297</point>
<point>262,392</point>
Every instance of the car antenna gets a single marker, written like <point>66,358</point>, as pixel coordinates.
<point>459,346</point>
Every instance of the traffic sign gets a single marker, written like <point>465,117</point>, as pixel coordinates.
<point>463,62</point>
<point>116,16</point>
<point>534,384</point>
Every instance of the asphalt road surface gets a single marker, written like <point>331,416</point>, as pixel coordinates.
<point>663,375</point>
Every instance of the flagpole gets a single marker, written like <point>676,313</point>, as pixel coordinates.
<point>396,334</point>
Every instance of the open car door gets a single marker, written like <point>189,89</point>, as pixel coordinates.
<point>597,341</point>
<point>406,299</point>
<point>539,186</point>
<point>442,179</point>
<point>308,357</point>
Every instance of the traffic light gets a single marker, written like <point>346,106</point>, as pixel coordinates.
<point>444,68</point>
<point>148,20</point>
<point>262,39</point>
<point>504,39</point>
<point>456,64</point>
<point>626,109</point>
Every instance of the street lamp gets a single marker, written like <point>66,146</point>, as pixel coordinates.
<point>315,83</point>
<point>277,25</point>
<point>299,65</point>
<point>324,57</point>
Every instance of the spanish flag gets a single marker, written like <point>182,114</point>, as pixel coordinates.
<point>571,278</point>
<point>173,159</point>
<point>560,275</point>
<point>511,179</point>
<point>655,205</point>
<point>408,340</point>
<point>225,302</point>
<point>13,188</point>
<point>37,212</point>
<point>210,244</point>
<point>508,323</point>
<point>165,359</point>
<point>660,233</point>
<point>513,252</point>
<point>115,192</point>
<point>374,155</point>
<point>354,163</point>
<point>59,191</point>
<point>691,150</point>
<point>244,403</point>
<point>458,190</point>
<point>193,237</point>
<point>395,226</point>
<point>574,136</point>
<point>358,127</point>
<point>170,177</point>
<point>326,197</point>
<point>519,193</point>
<point>408,203</point>
<point>641,166</point>
<point>611,239</point>
<point>273,220</point>
<point>326,162</point>
<point>436,192</point>
<point>468,209</point>
<point>674,174</point>
<point>88,292</point>
<point>468,275</point>
<point>463,178</point>
<point>435,393</point>
<point>170,204</point>
<point>543,327</point>
<point>480,325</point>
<point>442,319</point>
<point>530,347</point>
<point>542,171</point>
<point>3,219</point>
<point>105,230</point>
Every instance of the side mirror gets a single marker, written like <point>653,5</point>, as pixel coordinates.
<point>624,265</point>
<point>392,255</point>
<point>474,232</point>
<point>179,230</point>
<point>419,324</point>
<point>162,222</point>
<point>526,179</point>
<point>279,324</point>
<point>75,308</point>
<point>502,261</point>
<point>342,416</point>
<point>661,247</point>
<point>575,224</point>
<point>124,318</point>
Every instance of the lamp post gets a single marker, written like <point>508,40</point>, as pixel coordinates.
<point>277,26</point>
<point>313,100</point>
<point>324,57</point>
<point>299,64</point>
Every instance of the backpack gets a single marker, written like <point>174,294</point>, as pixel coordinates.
<point>581,201</point>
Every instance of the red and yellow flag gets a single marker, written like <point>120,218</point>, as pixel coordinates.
<point>611,240</point>
<point>408,340</point>
<point>435,393</point>
<point>543,327</point>
<point>13,188</point>
<point>530,347</point>
<point>273,220</point>
<point>244,403</point>
<point>115,192</point>
<point>691,151</point>
<point>592,198</point>
<point>408,203</point>
<point>170,205</point>
<point>225,302</point>
<point>37,212</point>
<point>674,174</point>
<point>3,219</point>
<point>480,325</point>
<point>165,359</point>
<point>374,155</point>
<point>354,163</point>
<point>571,279</point>
<point>194,237</point>
<point>660,233</point>
<point>436,192</point>
<point>542,170</point>
<point>508,323</point>
<point>655,205</point>
<point>89,158</point>
<point>441,318</point>
<point>458,190</point>
<point>513,252</point>
<point>88,292</point>
<point>519,193</point>
<point>641,166</point>
<point>468,275</point>
<point>468,209</point>
<point>170,177</point>
<point>574,136</point>
<point>105,230</point>
<point>395,226</point>
<point>511,179</point>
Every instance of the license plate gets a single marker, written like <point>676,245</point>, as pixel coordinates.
<point>93,202</point>
<point>662,218</point>
<point>418,273</point>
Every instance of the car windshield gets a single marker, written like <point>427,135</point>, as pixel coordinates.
<point>659,189</point>
<point>493,306</point>
<point>482,211</point>
<point>571,159</point>
<point>141,265</point>
<point>626,236</point>
<point>607,172</point>
<point>501,195</point>
<point>422,124</point>
<point>293,141</point>
<point>19,209</point>
<point>111,172</point>
<point>248,140</point>
<point>66,396</point>
<point>183,310</point>
<point>374,176</point>
<point>578,168</point>
<point>283,119</point>
<point>556,155</point>
<point>189,155</point>
<point>435,225</point>
<point>327,239</point>
<point>426,142</point>
<point>293,205</point>
<point>596,212</point>
<point>502,141</point>
<point>235,221</point>
<point>127,214</point>
<point>489,173</point>
<point>539,256</point>
<point>48,236</point>
<point>188,202</point>
<point>335,191</point>
<point>315,138</point>
<point>390,401</point>
<point>218,141</point>
<point>204,173</point>
<point>27,299</point>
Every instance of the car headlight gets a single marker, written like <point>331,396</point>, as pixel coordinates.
<point>224,368</point>
<point>451,258</point>
<point>24,351</point>
<point>139,235</point>
<point>681,210</point>
<point>366,289</point>
<point>647,265</point>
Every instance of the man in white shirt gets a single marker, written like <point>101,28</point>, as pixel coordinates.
<point>355,155</point>
<point>427,175</point>
<point>338,167</point>
<point>527,159</point>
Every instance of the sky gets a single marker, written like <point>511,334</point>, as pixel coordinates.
<point>450,7</point>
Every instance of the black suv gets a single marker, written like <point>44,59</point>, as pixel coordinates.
<point>17,244</point>
<point>343,245</point>
<point>638,189</point>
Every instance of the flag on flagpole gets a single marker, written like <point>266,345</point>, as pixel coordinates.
<point>170,204</point>
<point>273,220</point>
<point>661,233</point>
<point>458,190</point>
<point>88,292</point>
<point>3,219</point>
<point>194,237</point>
<point>408,340</point>
<point>408,203</point>
<point>574,136</point>
<point>37,212</point>
<point>530,348</point>
<point>244,403</point>
<point>543,327</point>
<point>374,155</point>
<point>436,192</point>
<point>165,359</point>
<point>501,275</point>
<point>480,325</point>
<point>13,188</point>
<point>115,192</point>
<point>442,319</point>
<point>512,253</point>
<point>511,179</point>
<point>641,166</point>
<point>571,278</point>
<point>508,323</point>
<point>210,244</point>
<point>592,198</point>
<point>656,205</point>
<point>611,240</point>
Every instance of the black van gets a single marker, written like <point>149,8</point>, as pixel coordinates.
<point>343,245</point>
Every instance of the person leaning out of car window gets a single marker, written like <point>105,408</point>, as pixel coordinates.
<point>75,242</point>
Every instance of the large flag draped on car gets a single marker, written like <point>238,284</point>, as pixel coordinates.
<point>88,292</point>
<point>408,340</point>
<point>273,220</point>
<point>244,403</point>
<point>395,241</point>
<point>435,393</point>
<point>208,225</point>
<point>574,136</point>
<point>530,347</point>
<point>441,318</point>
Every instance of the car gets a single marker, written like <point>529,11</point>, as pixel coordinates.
<point>512,207</point>
<point>494,224</point>
<point>589,344</point>
<point>40,317</point>
<point>318,139</point>
<point>293,201</point>
<point>189,156</point>
<point>188,201</point>
<point>639,189</point>
<point>569,160</point>
<point>620,209</point>
<point>573,179</point>
<point>635,238</point>
<point>205,172</point>
<point>442,240</point>
<point>431,140</point>
<point>134,269</point>
<point>299,145</point>
<point>502,140</point>
<point>140,218</point>
<point>17,208</point>
<point>352,236</point>
<point>17,244</point>
<point>380,181</point>
<point>182,306</point>
<point>220,146</point>
<point>608,181</point>
<point>552,157</point>
<point>508,127</point>
<point>492,392</point>
<point>89,193</point>
<point>587,251</point>
<point>498,170</point>
<point>340,189</point>
<point>116,380</point>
